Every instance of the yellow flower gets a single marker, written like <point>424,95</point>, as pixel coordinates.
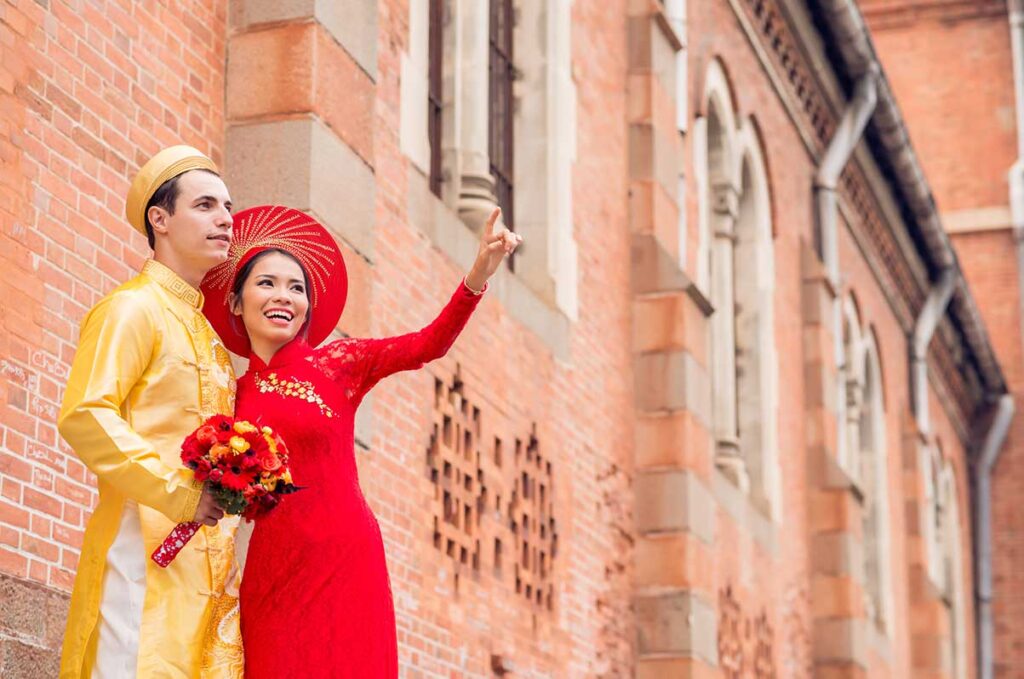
<point>243,427</point>
<point>268,480</point>
<point>239,444</point>
<point>287,477</point>
<point>271,443</point>
<point>267,430</point>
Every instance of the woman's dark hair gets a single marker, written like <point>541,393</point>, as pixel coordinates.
<point>165,196</point>
<point>243,275</point>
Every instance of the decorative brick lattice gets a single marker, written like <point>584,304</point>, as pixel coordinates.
<point>762,663</point>
<point>493,501</point>
<point>887,252</point>
<point>745,644</point>
<point>532,523</point>
<point>730,634</point>
<point>454,466</point>
<point>791,62</point>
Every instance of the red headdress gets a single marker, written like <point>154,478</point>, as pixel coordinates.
<point>268,227</point>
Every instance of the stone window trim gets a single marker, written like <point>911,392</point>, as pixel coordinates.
<point>544,145</point>
<point>867,470</point>
<point>929,465</point>
<point>735,220</point>
<point>955,592</point>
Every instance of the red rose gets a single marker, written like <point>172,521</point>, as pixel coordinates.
<point>202,469</point>
<point>269,462</point>
<point>191,450</point>
<point>206,435</point>
<point>253,492</point>
<point>221,422</point>
<point>216,475</point>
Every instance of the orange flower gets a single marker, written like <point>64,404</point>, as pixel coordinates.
<point>217,451</point>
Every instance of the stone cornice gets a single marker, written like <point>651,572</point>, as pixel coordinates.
<point>791,51</point>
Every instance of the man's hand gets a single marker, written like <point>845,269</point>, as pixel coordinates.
<point>209,512</point>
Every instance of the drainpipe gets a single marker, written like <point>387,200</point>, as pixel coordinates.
<point>984,462</point>
<point>927,321</point>
<point>1004,410</point>
<point>844,141</point>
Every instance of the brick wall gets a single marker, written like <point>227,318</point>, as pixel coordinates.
<point>953,78</point>
<point>87,92</point>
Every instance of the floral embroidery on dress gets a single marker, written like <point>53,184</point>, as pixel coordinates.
<point>223,657</point>
<point>299,389</point>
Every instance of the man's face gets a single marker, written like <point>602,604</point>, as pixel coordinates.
<point>199,231</point>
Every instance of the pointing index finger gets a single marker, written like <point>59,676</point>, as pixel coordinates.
<point>491,221</point>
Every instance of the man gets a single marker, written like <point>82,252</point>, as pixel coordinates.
<point>148,370</point>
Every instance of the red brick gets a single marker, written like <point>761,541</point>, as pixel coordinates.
<point>40,548</point>
<point>13,562</point>
<point>42,502</point>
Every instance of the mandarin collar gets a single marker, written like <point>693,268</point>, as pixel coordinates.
<point>296,350</point>
<point>173,283</point>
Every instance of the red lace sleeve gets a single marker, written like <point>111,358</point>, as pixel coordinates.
<point>358,364</point>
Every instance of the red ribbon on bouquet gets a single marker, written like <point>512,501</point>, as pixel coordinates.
<point>175,542</point>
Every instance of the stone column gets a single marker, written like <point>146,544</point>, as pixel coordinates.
<point>470,187</point>
<point>728,456</point>
<point>545,150</point>
<point>675,509</point>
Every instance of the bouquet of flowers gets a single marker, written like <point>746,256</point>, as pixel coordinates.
<point>246,467</point>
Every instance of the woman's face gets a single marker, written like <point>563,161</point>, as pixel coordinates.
<point>273,303</point>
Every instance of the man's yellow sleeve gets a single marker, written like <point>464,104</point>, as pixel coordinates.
<point>117,343</point>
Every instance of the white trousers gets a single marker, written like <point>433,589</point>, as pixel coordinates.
<point>124,591</point>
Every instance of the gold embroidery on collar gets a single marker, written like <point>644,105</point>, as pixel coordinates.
<point>173,283</point>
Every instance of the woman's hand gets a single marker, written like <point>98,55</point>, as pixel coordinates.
<point>494,247</point>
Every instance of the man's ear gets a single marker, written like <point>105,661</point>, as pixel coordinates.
<point>157,218</point>
<point>235,303</point>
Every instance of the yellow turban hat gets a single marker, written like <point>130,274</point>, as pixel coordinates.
<point>165,165</point>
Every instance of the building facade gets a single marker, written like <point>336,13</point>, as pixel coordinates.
<point>975,174</point>
<point>736,407</point>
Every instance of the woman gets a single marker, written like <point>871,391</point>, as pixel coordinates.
<point>315,597</point>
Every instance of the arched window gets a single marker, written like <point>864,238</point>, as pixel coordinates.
<point>854,379</point>
<point>931,515</point>
<point>720,194</point>
<point>874,479</point>
<point>735,266</point>
<point>865,461</point>
<point>756,356</point>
